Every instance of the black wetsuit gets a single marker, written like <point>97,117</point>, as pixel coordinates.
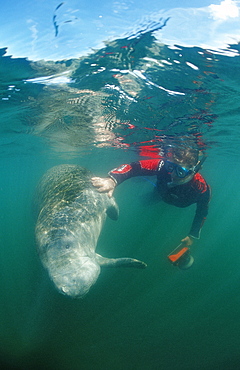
<point>195,191</point>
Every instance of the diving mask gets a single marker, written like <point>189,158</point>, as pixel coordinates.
<point>183,172</point>
<point>180,171</point>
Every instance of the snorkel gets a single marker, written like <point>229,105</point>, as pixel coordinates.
<point>200,163</point>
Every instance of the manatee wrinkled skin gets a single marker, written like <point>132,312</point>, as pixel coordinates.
<point>71,214</point>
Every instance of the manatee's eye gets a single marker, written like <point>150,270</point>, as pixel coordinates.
<point>68,244</point>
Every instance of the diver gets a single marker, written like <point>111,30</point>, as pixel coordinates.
<point>179,183</point>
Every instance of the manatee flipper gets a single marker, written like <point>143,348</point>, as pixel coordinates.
<point>120,262</point>
<point>112,210</point>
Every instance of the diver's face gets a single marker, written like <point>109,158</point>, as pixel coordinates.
<point>180,174</point>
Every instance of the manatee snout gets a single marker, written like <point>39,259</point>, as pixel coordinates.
<point>77,282</point>
<point>70,268</point>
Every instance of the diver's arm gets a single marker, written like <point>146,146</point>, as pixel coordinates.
<point>124,172</point>
<point>116,176</point>
<point>200,215</point>
<point>148,167</point>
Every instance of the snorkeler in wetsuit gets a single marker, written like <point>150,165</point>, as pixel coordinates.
<point>178,183</point>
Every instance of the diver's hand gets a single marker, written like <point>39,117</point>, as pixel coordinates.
<point>104,185</point>
<point>188,241</point>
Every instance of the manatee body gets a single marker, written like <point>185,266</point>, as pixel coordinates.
<point>71,214</point>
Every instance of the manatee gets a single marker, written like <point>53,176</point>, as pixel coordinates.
<point>71,215</point>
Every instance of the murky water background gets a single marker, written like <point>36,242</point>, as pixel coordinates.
<point>109,107</point>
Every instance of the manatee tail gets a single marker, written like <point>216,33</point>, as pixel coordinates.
<point>120,262</point>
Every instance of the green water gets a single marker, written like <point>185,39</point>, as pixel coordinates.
<point>157,318</point>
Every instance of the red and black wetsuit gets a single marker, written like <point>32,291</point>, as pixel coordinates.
<point>194,191</point>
